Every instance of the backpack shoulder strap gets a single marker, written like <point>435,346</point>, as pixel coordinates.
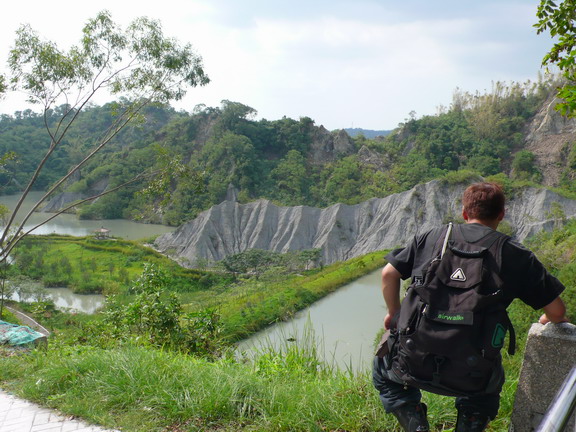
<point>512,341</point>
<point>497,246</point>
<point>446,239</point>
<point>437,251</point>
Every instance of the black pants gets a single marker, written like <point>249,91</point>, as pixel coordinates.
<point>393,394</point>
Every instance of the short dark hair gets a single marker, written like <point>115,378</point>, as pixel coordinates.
<point>483,201</point>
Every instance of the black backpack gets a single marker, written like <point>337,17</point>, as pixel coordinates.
<point>453,320</point>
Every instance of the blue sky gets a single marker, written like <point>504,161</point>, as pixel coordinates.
<point>342,63</point>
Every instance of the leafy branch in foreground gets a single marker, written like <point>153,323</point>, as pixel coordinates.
<point>557,18</point>
<point>3,85</point>
<point>138,64</point>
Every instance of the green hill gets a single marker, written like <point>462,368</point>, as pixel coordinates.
<point>290,162</point>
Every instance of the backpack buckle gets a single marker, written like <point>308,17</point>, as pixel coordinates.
<point>436,374</point>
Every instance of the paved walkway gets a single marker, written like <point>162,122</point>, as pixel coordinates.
<point>17,415</point>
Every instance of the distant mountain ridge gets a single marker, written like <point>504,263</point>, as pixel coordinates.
<point>343,231</point>
<point>368,133</point>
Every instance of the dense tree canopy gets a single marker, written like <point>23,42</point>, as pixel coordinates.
<point>225,146</point>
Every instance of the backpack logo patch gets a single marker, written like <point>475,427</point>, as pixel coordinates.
<point>447,317</point>
<point>498,336</point>
<point>458,275</point>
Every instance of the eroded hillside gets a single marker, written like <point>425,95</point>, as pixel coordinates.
<point>345,231</point>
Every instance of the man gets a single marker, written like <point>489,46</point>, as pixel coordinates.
<point>523,277</point>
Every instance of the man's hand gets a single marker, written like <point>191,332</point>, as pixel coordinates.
<point>387,321</point>
<point>545,320</point>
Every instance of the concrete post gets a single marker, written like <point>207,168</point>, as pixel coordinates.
<point>549,358</point>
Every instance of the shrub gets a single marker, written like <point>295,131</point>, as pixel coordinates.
<point>90,286</point>
<point>460,177</point>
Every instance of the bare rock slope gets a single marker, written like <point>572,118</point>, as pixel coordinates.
<point>550,137</point>
<point>342,231</point>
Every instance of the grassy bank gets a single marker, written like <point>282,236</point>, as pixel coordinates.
<point>87,265</point>
<point>255,304</point>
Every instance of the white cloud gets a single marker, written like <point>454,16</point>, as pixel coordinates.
<point>367,64</point>
<point>339,63</point>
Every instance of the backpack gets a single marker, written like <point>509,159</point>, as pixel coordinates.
<point>453,319</point>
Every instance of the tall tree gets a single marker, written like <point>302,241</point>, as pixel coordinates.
<point>557,18</point>
<point>137,64</point>
<point>291,179</point>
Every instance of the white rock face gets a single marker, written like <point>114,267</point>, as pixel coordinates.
<point>342,231</point>
<point>550,136</point>
<point>62,200</point>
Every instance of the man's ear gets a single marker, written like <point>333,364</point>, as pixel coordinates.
<point>501,215</point>
<point>464,215</point>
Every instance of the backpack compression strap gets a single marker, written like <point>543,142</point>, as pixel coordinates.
<point>512,340</point>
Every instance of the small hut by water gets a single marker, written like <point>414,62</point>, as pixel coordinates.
<point>102,233</point>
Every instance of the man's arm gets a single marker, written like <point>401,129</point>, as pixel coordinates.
<point>554,312</point>
<point>391,292</point>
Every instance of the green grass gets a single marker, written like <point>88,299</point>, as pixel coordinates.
<point>283,389</point>
<point>245,306</point>
<point>147,390</point>
<point>9,316</point>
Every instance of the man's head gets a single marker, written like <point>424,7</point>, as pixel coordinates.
<point>483,202</point>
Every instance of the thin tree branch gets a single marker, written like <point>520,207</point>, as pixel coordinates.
<point>40,166</point>
<point>86,159</point>
<point>17,237</point>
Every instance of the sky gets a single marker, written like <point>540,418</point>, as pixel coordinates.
<point>343,63</point>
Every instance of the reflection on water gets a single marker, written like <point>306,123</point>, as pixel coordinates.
<point>344,325</point>
<point>64,299</point>
<point>70,224</point>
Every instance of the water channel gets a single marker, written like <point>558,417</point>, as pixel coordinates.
<point>64,298</point>
<point>71,225</point>
<point>343,325</point>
